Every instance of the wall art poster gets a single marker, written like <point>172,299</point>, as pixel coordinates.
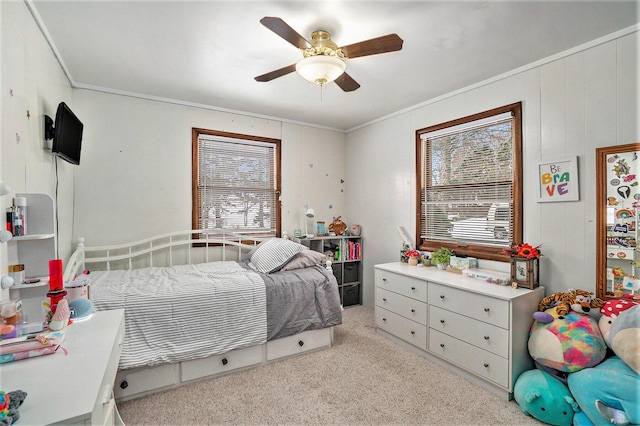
<point>558,180</point>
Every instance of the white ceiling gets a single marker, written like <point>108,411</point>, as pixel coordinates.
<point>207,53</point>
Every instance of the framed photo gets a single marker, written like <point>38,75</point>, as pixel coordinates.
<point>558,180</point>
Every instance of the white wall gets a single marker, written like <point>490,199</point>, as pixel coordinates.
<point>32,83</point>
<point>134,178</point>
<point>571,105</point>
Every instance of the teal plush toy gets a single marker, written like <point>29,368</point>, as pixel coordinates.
<point>545,398</point>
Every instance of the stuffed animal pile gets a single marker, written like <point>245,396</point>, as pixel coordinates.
<point>587,371</point>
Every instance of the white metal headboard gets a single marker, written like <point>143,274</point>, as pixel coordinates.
<point>211,245</point>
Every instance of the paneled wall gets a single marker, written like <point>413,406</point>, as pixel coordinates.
<point>572,104</point>
<point>33,83</point>
<point>134,180</point>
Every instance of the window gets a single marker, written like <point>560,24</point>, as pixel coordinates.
<point>470,183</point>
<point>236,183</point>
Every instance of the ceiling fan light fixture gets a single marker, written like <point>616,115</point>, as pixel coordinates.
<point>320,69</point>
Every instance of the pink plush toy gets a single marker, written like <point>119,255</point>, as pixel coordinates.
<point>610,311</point>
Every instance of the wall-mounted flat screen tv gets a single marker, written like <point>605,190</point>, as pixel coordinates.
<point>67,137</point>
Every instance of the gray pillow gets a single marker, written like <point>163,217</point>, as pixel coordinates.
<point>304,259</point>
<point>273,254</point>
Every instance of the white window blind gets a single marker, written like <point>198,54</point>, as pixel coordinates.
<point>467,188</point>
<point>236,185</point>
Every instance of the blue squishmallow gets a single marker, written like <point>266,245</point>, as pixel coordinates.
<point>606,393</point>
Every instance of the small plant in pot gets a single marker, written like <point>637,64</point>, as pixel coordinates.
<point>441,257</point>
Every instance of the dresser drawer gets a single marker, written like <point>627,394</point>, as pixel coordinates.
<point>407,286</point>
<point>480,362</point>
<point>485,336</point>
<point>402,305</point>
<point>484,308</point>
<point>401,327</point>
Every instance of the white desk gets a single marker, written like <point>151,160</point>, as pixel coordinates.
<point>75,384</point>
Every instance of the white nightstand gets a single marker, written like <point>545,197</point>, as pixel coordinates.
<point>74,385</point>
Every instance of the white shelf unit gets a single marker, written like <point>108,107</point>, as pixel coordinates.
<point>622,248</point>
<point>35,249</point>
<point>347,265</point>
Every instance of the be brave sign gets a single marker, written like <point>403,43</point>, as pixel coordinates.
<point>558,180</point>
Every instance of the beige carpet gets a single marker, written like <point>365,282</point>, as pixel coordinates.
<point>363,379</point>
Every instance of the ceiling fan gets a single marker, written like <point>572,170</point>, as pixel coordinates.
<point>323,60</point>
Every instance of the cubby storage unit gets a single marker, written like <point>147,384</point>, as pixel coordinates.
<point>478,330</point>
<point>346,254</point>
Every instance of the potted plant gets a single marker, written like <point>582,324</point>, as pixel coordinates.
<point>441,257</point>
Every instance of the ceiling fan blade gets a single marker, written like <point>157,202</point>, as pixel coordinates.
<point>374,46</point>
<point>283,29</point>
<point>276,73</point>
<point>347,83</point>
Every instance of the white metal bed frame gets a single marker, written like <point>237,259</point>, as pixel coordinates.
<point>211,245</point>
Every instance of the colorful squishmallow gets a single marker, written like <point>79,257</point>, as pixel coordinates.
<point>568,343</point>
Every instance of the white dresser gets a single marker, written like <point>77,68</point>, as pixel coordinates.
<point>477,329</point>
<point>75,384</point>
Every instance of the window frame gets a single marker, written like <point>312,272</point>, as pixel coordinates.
<point>195,166</point>
<point>464,248</point>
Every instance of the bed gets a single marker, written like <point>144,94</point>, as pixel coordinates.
<point>201,303</point>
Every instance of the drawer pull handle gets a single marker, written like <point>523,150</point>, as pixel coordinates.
<point>225,361</point>
<point>413,311</point>
<point>124,384</point>
<point>441,321</point>
<point>442,345</point>
<point>487,309</point>
<point>384,299</point>
<point>413,288</point>
<point>413,332</point>
<point>384,279</point>
<point>486,337</point>
<point>442,297</point>
<point>384,319</point>
<point>486,365</point>
<point>301,343</point>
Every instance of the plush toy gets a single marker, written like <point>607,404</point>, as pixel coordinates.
<point>544,397</point>
<point>9,404</point>
<point>577,300</point>
<point>610,311</point>
<point>566,344</point>
<point>625,338</point>
<point>606,393</point>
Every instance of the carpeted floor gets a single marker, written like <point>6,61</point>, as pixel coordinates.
<point>363,379</point>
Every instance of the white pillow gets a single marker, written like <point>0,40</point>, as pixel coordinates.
<point>273,254</point>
